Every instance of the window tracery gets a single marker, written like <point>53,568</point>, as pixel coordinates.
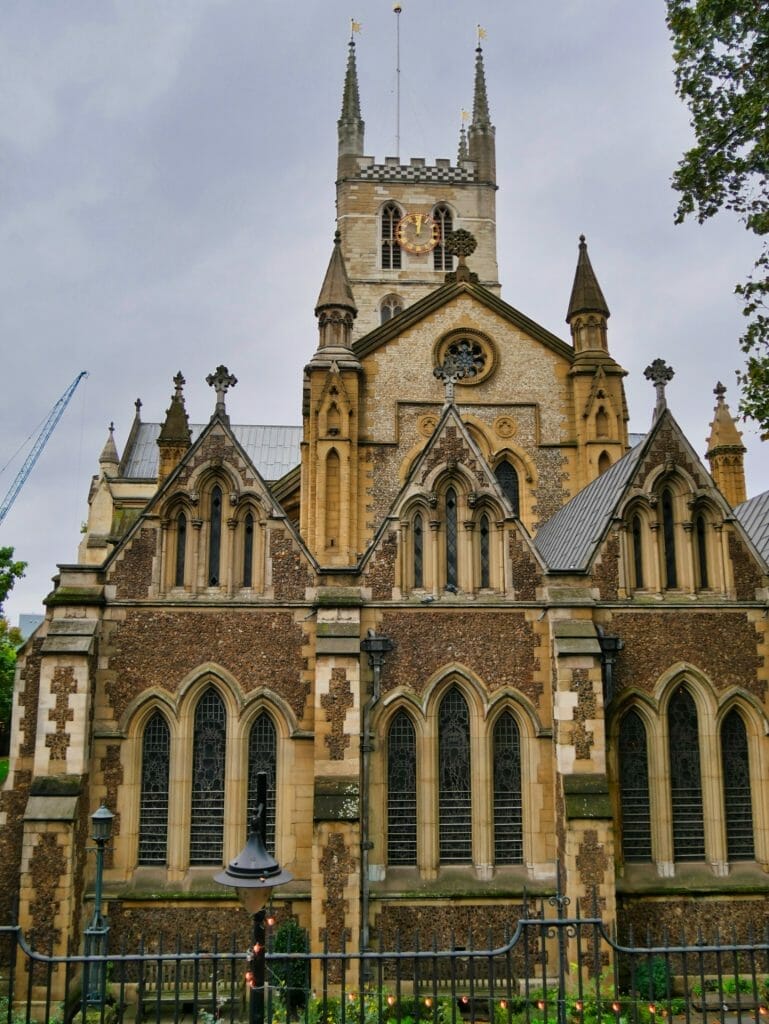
<point>153,805</point>
<point>401,791</point>
<point>508,803</point>
<point>685,778</point>
<point>207,809</point>
<point>262,757</point>
<point>390,307</point>
<point>391,250</point>
<point>443,260</point>
<point>635,803</point>
<point>454,788</point>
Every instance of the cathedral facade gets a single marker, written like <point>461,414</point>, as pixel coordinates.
<point>478,636</point>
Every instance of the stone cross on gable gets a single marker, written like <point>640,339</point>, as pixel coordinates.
<point>221,380</point>
<point>660,374</point>
<point>719,391</point>
<point>179,383</point>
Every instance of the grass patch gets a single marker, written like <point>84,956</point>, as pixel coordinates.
<point>3,769</point>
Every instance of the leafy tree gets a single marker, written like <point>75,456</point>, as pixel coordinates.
<point>721,52</point>
<point>10,638</point>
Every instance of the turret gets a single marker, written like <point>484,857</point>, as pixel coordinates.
<point>175,434</point>
<point>588,312</point>
<point>481,141</point>
<point>350,125</point>
<point>726,451</point>
<point>335,310</point>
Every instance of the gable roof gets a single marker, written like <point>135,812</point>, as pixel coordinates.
<point>273,450</point>
<point>753,516</point>
<point>567,540</point>
<point>440,297</point>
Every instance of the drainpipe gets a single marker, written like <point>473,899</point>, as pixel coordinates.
<point>610,648</point>
<point>376,647</point>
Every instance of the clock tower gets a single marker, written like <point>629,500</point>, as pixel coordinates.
<point>394,217</point>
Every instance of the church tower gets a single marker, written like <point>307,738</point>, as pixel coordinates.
<point>394,217</point>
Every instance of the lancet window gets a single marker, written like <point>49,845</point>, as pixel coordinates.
<point>635,803</point>
<point>454,786</point>
<point>207,809</point>
<point>738,802</point>
<point>685,778</point>
<point>442,259</point>
<point>401,791</point>
<point>181,549</point>
<point>153,807</point>
<point>391,251</point>
<point>508,804</point>
<point>508,481</point>
<point>262,757</point>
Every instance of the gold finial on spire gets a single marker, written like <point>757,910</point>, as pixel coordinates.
<point>355,26</point>
<point>481,33</point>
<point>464,114</point>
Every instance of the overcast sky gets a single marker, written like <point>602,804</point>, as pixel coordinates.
<point>167,202</point>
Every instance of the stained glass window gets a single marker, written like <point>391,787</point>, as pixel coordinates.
<point>207,816</point>
<point>454,795</point>
<point>702,552</point>
<point>391,251</point>
<point>442,260</point>
<point>418,551</point>
<point>451,538</point>
<point>508,807</point>
<point>738,804</point>
<point>262,757</point>
<point>638,561</point>
<point>215,537</point>
<point>181,549</point>
<point>508,481</point>
<point>685,778</point>
<point>153,805</point>
<point>248,550</point>
<point>484,552</point>
<point>401,791</point>
<point>669,540</point>
<point>634,789</point>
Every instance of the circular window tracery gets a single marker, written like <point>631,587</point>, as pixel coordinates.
<point>467,355</point>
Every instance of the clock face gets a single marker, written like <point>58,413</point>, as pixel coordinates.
<point>417,233</point>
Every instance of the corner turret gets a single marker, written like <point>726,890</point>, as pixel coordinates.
<point>175,434</point>
<point>726,451</point>
<point>588,311</point>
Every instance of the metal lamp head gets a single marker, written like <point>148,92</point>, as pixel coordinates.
<point>254,873</point>
<point>101,824</point>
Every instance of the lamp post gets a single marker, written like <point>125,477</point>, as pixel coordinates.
<point>98,929</point>
<point>254,873</point>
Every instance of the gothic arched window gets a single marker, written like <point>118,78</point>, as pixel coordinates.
<point>700,526</point>
<point>508,807</point>
<point>419,551</point>
<point>207,810</point>
<point>391,306</point>
<point>508,481</point>
<point>738,803</point>
<point>391,251</point>
<point>634,789</point>
<point>262,757</point>
<point>215,537</point>
<point>636,529</point>
<point>181,549</point>
<point>685,778</point>
<point>248,550</point>
<point>153,803</point>
<point>451,539</point>
<point>669,540</point>
<point>442,260</point>
<point>401,791</point>
<point>333,486</point>
<point>454,793</point>
<point>485,561</point>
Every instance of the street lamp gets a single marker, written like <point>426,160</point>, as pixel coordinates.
<point>254,874</point>
<point>98,929</point>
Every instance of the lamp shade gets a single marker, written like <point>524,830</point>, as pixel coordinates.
<point>253,868</point>
<point>101,824</point>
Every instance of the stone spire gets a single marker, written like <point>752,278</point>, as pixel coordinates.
<point>335,310</point>
<point>482,147</point>
<point>660,374</point>
<point>109,460</point>
<point>588,312</point>
<point>350,126</point>
<point>175,434</point>
<point>726,451</point>
<point>462,153</point>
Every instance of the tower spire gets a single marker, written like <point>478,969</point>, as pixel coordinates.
<point>482,146</point>
<point>350,126</point>
<point>462,153</point>
<point>726,451</point>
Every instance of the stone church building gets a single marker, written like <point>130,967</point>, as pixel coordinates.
<point>475,632</point>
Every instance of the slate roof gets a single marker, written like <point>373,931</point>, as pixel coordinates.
<point>566,541</point>
<point>273,450</point>
<point>753,516</point>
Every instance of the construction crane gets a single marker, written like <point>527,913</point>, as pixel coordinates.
<point>42,440</point>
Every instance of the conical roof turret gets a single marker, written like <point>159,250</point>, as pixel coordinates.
<point>109,458</point>
<point>586,294</point>
<point>725,451</point>
<point>335,309</point>
<point>350,126</point>
<point>175,434</point>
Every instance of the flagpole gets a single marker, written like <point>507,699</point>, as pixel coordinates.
<point>397,11</point>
